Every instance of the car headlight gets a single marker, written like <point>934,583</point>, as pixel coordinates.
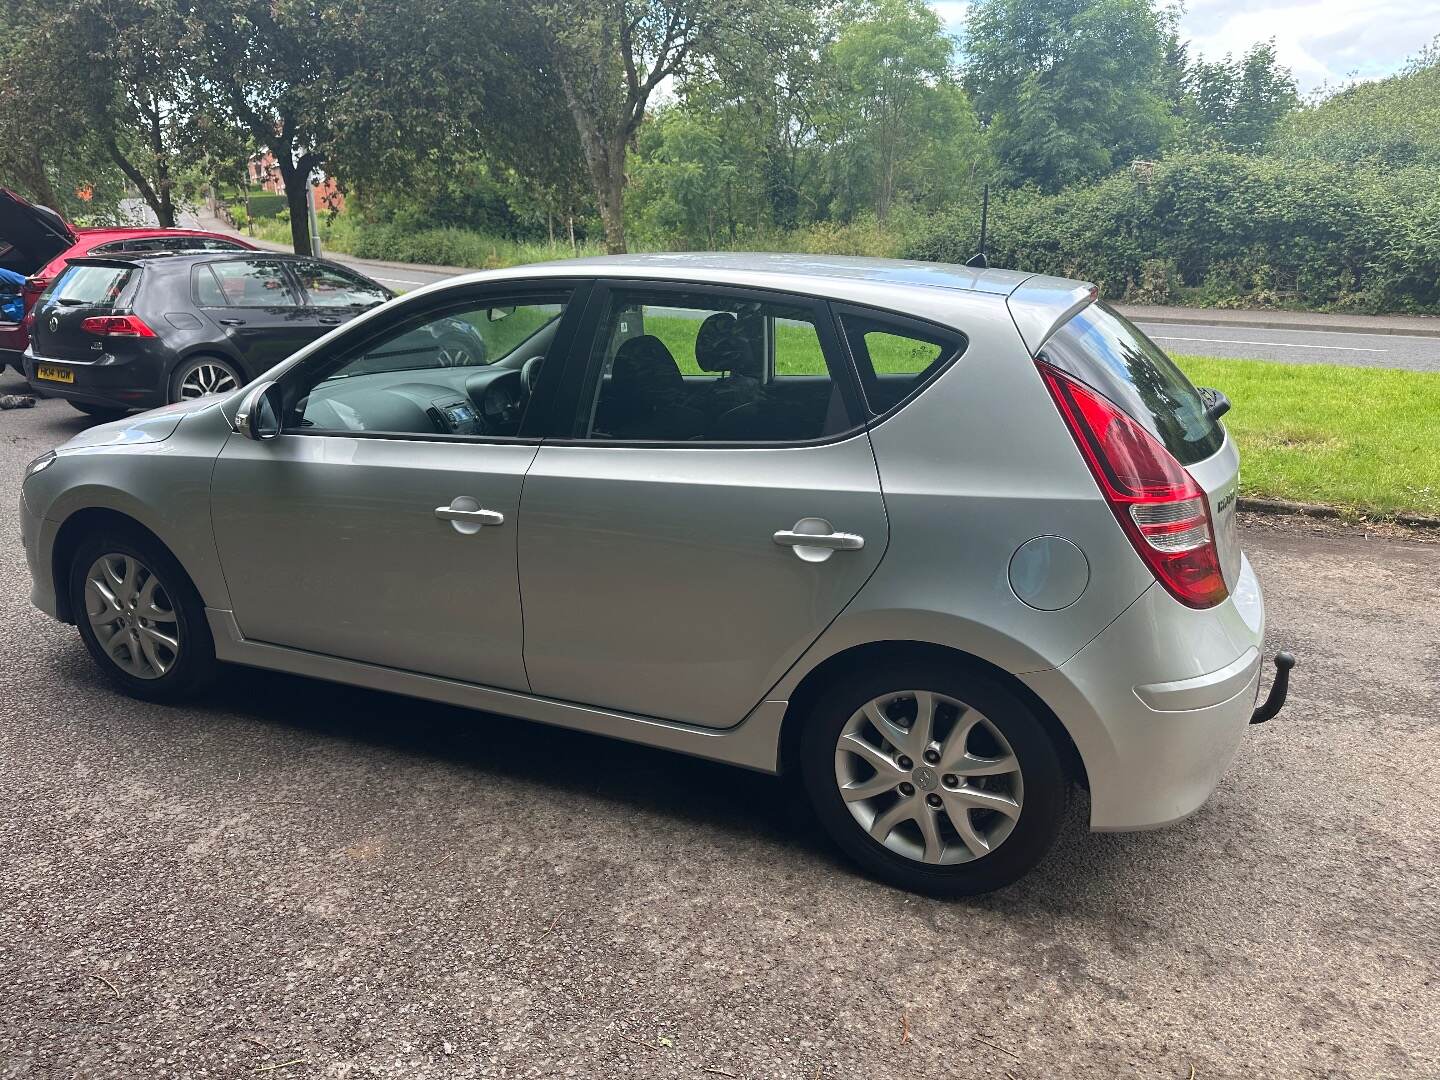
<point>41,463</point>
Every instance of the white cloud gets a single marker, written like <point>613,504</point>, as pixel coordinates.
<point>1322,41</point>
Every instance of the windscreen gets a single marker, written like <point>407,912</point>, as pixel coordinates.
<point>1103,349</point>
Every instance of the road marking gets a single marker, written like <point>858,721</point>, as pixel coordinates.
<point>1272,344</point>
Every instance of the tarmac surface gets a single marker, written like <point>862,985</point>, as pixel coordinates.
<point>297,880</point>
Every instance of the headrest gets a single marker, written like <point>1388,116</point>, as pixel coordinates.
<point>721,345</point>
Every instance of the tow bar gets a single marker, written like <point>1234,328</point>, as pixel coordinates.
<point>1275,700</point>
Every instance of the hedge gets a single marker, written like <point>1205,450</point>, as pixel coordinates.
<point>1222,229</point>
<point>267,205</point>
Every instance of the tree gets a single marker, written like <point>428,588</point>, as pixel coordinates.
<point>891,102</point>
<point>1070,88</point>
<point>365,88</point>
<point>1238,103</point>
<point>611,56</point>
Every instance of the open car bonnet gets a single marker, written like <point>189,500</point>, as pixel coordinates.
<point>36,233</point>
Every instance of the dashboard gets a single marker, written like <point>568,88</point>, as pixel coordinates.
<point>428,401</point>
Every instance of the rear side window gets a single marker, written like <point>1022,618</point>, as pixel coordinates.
<point>1102,349</point>
<point>895,356</point>
<point>95,285</point>
<point>167,243</point>
<point>247,284</point>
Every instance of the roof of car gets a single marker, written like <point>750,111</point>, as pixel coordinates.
<point>877,271</point>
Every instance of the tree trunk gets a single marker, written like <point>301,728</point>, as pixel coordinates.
<point>296,175</point>
<point>610,191</point>
<point>163,210</point>
<point>33,180</point>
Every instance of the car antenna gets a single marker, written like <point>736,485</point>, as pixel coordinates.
<point>978,260</point>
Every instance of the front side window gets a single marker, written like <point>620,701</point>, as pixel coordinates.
<point>700,367</point>
<point>242,283</point>
<point>894,356</point>
<point>467,369</point>
<point>326,286</point>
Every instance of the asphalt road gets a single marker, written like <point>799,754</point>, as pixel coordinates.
<point>1297,346</point>
<point>324,882</point>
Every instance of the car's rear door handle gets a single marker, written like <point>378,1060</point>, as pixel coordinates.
<point>815,538</point>
<point>330,320</point>
<point>231,322</point>
<point>476,517</point>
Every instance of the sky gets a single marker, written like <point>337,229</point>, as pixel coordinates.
<point>1324,42</point>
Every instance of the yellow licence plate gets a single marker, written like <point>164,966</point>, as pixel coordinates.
<point>54,374</point>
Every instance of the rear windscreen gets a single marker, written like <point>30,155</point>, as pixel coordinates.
<point>99,285</point>
<point>1102,349</point>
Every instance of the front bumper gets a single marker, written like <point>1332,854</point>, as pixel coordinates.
<point>1157,704</point>
<point>126,385</point>
<point>38,537</point>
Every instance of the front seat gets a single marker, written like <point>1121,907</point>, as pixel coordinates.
<point>722,347</point>
<point>647,396</point>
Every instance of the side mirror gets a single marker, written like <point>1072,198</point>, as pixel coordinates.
<point>259,414</point>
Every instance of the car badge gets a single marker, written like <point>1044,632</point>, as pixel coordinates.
<point>54,323</point>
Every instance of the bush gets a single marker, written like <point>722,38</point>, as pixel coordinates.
<point>1223,229</point>
<point>267,205</point>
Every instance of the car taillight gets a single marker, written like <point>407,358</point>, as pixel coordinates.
<point>1159,505</point>
<point>34,286</point>
<point>116,326</point>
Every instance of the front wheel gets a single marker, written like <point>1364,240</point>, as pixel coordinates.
<point>140,617</point>
<point>201,376</point>
<point>934,779</point>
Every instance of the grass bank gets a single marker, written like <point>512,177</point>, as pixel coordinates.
<point>1365,440</point>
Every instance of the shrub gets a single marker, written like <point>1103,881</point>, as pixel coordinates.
<point>266,205</point>
<point>1226,229</point>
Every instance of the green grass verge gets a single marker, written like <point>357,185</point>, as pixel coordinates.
<point>1365,440</point>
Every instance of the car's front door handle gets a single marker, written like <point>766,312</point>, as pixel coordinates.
<point>479,516</point>
<point>835,541</point>
<point>814,539</point>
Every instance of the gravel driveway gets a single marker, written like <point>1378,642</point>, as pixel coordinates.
<point>296,880</point>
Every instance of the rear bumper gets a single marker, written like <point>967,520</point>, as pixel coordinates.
<point>118,386</point>
<point>1158,703</point>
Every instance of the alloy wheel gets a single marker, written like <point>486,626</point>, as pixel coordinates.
<point>207,378</point>
<point>929,777</point>
<point>455,356</point>
<point>132,616</point>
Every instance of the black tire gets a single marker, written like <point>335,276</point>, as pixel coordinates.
<point>103,413</point>
<point>1047,789</point>
<point>194,666</point>
<point>189,366</point>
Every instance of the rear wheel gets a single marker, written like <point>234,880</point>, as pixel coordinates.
<point>100,412</point>
<point>140,616</point>
<point>936,780</point>
<point>202,375</point>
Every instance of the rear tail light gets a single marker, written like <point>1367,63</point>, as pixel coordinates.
<point>116,326</point>
<point>1158,504</point>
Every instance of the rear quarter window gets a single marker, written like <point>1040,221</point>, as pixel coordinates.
<point>1104,350</point>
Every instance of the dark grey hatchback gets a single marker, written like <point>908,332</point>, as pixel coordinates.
<point>137,331</point>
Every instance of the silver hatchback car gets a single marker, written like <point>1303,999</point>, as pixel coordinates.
<point>942,542</point>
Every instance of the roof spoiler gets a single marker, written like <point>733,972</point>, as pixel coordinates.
<point>1041,305</point>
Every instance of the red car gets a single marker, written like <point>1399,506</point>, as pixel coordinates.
<point>36,241</point>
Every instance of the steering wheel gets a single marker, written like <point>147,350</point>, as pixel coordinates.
<point>530,373</point>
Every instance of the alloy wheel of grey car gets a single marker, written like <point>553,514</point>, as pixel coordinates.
<point>929,777</point>
<point>139,615</point>
<point>935,776</point>
<point>203,377</point>
<point>131,615</point>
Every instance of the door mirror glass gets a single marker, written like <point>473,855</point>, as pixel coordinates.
<point>258,417</point>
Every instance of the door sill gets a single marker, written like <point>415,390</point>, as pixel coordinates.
<point>752,744</point>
